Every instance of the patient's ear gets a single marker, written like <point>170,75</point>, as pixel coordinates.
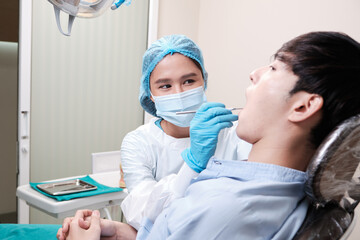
<point>305,106</point>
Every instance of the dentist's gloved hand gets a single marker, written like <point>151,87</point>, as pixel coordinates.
<point>204,131</point>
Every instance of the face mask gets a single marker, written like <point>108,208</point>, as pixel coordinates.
<point>168,105</point>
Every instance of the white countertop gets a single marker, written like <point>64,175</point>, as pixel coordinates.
<point>61,209</point>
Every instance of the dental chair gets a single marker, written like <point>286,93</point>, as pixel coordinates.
<point>333,185</point>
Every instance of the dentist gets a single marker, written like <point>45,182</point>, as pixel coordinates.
<point>156,158</point>
<point>173,79</point>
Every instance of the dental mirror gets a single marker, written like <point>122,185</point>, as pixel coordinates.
<point>334,171</point>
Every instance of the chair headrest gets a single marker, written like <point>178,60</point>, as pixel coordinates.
<point>334,170</point>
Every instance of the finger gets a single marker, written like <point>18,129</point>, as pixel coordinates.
<point>87,219</point>
<point>95,217</point>
<point>65,226</point>
<point>228,119</point>
<point>213,112</point>
<point>84,224</point>
<point>59,234</point>
<point>95,220</point>
<point>208,105</point>
<point>213,129</point>
<point>223,118</point>
<point>223,125</point>
<point>83,213</point>
<point>209,124</point>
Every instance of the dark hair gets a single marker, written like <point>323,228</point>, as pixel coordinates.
<point>327,64</point>
<point>198,66</point>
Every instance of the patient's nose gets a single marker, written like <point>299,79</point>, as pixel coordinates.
<point>256,74</point>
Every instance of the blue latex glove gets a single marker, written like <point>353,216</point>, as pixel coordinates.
<point>204,131</point>
<point>117,3</point>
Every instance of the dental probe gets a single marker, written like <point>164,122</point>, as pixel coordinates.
<point>194,111</point>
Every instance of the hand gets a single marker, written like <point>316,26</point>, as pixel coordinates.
<point>204,131</point>
<point>109,229</point>
<point>77,232</point>
<point>112,230</point>
<point>84,223</point>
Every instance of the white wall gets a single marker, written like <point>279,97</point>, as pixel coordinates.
<point>237,36</point>
<point>179,17</point>
<point>84,89</point>
<point>8,106</point>
<point>244,34</point>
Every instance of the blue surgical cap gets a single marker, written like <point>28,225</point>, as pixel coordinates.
<point>155,53</point>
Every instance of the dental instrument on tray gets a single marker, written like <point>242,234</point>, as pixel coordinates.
<point>194,111</point>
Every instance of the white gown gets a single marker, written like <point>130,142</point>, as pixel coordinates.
<point>151,160</point>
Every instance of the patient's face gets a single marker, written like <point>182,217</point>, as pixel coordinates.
<point>267,101</point>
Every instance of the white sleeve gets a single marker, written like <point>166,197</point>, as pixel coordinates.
<point>149,198</point>
<point>136,164</point>
<point>168,189</point>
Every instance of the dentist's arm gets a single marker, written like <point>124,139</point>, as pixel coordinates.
<point>149,198</point>
<point>209,120</point>
<point>204,130</point>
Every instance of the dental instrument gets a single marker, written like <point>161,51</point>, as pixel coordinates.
<point>194,111</point>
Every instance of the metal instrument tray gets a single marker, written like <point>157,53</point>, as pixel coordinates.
<point>66,187</point>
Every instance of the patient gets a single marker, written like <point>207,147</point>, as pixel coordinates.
<point>311,86</point>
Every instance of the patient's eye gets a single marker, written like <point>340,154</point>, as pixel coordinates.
<point>272,68</point>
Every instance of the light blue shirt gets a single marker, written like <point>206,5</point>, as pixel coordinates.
<point>235,200</point>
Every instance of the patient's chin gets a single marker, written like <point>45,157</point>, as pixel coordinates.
<point>244,137</point>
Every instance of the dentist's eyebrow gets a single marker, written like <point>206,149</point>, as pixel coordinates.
<point>189,75</point>
<point>167,80</point>
<point>162,80</point>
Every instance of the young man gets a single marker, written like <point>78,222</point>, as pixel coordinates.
<point>311,86</point>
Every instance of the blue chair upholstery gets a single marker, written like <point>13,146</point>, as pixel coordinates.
<point>28,231</point>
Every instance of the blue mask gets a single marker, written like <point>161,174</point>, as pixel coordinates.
<point>168,105</point>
